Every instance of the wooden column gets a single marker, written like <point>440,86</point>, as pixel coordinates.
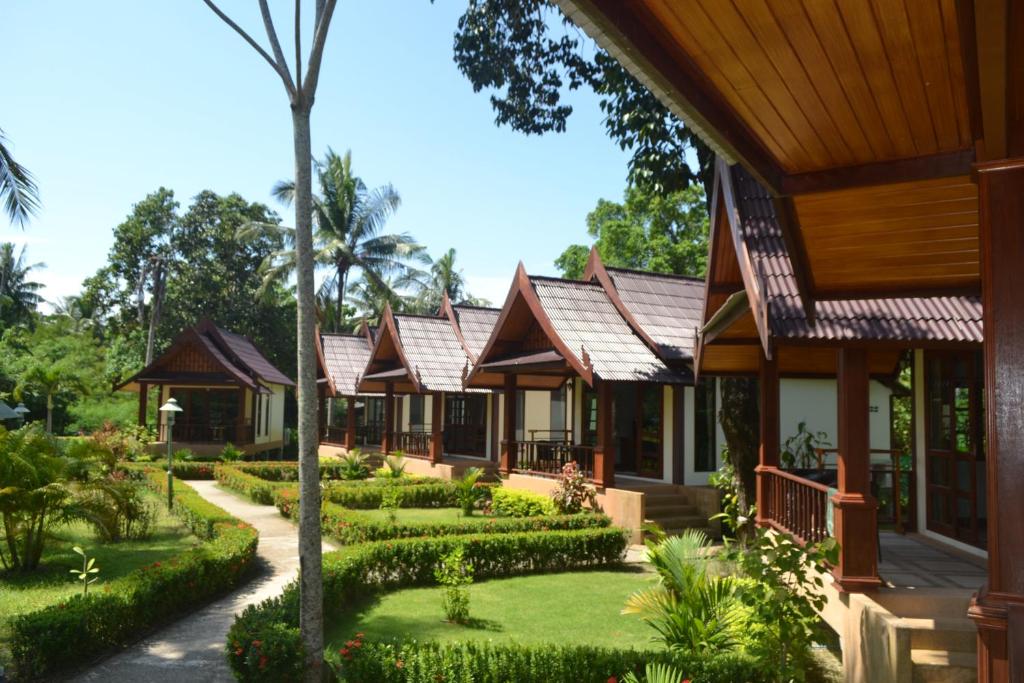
<point>508,446</point>
<point>321,412</point>
<point>604,453</point>
<point>350,422</point>
<point>436,417</point>
<point>389,419</point>
<point>998,608</point>
<point>143,401</point>
<point>241,434</point>
<point>856,510</point>
<point>768,452</point>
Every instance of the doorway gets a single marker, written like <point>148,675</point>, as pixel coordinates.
<point>465,424</point>
<point>955,475</point>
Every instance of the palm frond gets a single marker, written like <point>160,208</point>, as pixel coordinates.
<point>17,187</point>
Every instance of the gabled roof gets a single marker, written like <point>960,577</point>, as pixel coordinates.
<point>473,324</point>
<point>7,413</point>
<point>664,309</point>
<point>424,350</point>
<point>343,358</point>
<point>580,322</point>
<point>230,358</point>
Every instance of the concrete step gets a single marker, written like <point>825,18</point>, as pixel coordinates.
<point>665,508</point>
<point>677,523</point>
<point>940,666</point>
<point>949,635</point>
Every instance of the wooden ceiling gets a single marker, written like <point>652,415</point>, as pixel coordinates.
<point>794,361</point>
<point>914,236</point>
<point>830,84</point>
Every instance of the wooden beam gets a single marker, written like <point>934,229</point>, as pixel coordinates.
<point>942,165</point>
<point>768,450</point>
<point>785,214</point>
<point>508,449</point>
<point>350,422</point>
<point>387,439</point>
<point>436,450</point>
<point>856,510</point>
<point>969,59</point>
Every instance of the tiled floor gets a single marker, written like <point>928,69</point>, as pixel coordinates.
<point>911,562</point>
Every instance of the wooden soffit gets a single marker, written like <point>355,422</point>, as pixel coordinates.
<point>794,361</point>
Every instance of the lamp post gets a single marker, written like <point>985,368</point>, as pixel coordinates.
<point>22,411</point>
<point>169,409</point>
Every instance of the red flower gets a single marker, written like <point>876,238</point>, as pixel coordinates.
<point>257,643</point>
<point>613,679</point>
<point>343,652</point>
<point>399,664</point>
<point>357,645</point>
<point>349,643</point>
<point>238,652</point>
<point>263,662</point>
<point>156,564</point>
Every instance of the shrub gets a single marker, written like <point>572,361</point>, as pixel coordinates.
<point>351,574</point>
<point>467,491</point>
<point>573,491</point>
<point>410,494</point>
<point>429,662</point>
<point>394,466</point>
<point>77,630</point>
<point>122,443</point>
<point>117,510</point>
<point>389,503</point>
<point>454,573</point>
<point>352,526</point>
<point>257,489</point>
<point>230,453</point>
<point>516,503</point>
<point>353,465</point>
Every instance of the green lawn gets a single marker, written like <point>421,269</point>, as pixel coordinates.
<point>426,515</point>
<point>52,582</point>
<point>576,608</point>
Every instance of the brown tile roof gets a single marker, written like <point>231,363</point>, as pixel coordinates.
<point>242,350</point>
<point>667,307</point>
<point>476,324</point>
<point>345,358</point>
<point>912,319</point>
<point>588,323</point>
<point>433,350</point>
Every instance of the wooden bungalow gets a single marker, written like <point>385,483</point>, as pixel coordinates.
<point>228,392</point>
<point>348,419</point>
<point>417,364</point>
<point>890,138</point>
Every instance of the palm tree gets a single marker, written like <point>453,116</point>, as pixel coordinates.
<point>17,187</point>
<point>18,295</point>
<point>48,379</point>
<point>348,223</point>
<point>443,278</point>
<point>370,298</point>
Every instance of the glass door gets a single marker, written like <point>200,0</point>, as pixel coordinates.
<point>955,449</point>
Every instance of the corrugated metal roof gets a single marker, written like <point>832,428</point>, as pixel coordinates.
<point>433,350</point>
<point>345,357</point>
<point>668,307</point>
<point>246,352</point>
<point>588,323</point>
<point>911,319</point>
<point>476,324</point>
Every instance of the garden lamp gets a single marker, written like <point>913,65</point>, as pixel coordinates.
<point>22,411</point>
<point>169,409</point>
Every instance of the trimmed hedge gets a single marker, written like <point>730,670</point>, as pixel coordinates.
<point>416,493</point>
<point>351,526</point>
<point>264,643</point>
<point>80,628</point>
<point>429,662</point>
<point>518,503</point>
<point>285,471</point>
<point>255,488</point>
<point>189,471</point>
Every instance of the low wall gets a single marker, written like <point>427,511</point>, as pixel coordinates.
<point>626,508</point>
<point>424,467</point>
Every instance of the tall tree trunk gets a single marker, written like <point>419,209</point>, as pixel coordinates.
<point>159,287</point>
<point>739,419</point>
<point>311,619</point>
<point>340,299</point>
<point>49,413</point>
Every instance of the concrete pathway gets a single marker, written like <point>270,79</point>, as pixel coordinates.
<point>192,648</point>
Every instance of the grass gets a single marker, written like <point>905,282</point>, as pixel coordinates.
<point>574,608</point>
<point>52,582</point>
<point>426,516</point>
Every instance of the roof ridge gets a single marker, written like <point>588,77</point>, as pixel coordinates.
<point>428,316</point>
<point>479,308</point>
<point>355,335</point>
<point>674,276</point>
<point>565,280</point>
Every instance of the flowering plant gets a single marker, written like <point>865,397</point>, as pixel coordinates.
<point>573,491</point>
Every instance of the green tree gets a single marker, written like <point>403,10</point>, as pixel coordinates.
<point>648,231</point>
<point>17,187</point>
<point>442,278</point>
<point>528,55</point>
<point>349,220</point>
<point>19,295</point>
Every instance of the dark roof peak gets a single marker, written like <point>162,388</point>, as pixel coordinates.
<point>651,273</point>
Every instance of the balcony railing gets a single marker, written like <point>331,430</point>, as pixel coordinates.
<point>892,483</point>
<point>549,457</point>
<point>189,431</point>
<point>795,505</point>
<point>465,439</point>
<point>413,443</point>
<point>370,434</point>
<point>334,435</point>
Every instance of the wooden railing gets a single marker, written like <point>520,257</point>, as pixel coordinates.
<point>413,443</point>
<point>892,483</point>
<point>370,434</point>
<point>795,505</point>
<point>188,431</point>
<point>465,439</point>
<point>335,435</point>
<point>549,457</point>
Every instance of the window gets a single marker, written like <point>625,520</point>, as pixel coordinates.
<point>416,413</point>
<point>558,413</point>
<point>705,430</point>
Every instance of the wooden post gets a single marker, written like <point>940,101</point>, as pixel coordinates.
<point>856,510</point>
<point>508,448</point>
<point>240,432</point>
<point>389,419</point>
<point>323,419</point>
<point>998,608</point>
<point>768,453</point>
<point>436,444</point>
<point>604,453</point>
<point>143,401</point>
<point>350,422</point>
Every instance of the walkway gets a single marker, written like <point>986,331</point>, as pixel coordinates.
<point>914,561</point>
<point>192,648</point>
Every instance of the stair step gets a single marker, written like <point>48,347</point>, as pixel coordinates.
<point>684,522</point>
<point>950,635</point>
<point>940,666</point>
<point>663,509</point>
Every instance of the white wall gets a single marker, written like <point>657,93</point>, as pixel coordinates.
<point>816,402</point>
<point>537,413</point>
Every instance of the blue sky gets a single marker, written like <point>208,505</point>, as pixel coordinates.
<point>106,101</point>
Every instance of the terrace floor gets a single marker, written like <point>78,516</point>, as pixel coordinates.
<point>912,561</point>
